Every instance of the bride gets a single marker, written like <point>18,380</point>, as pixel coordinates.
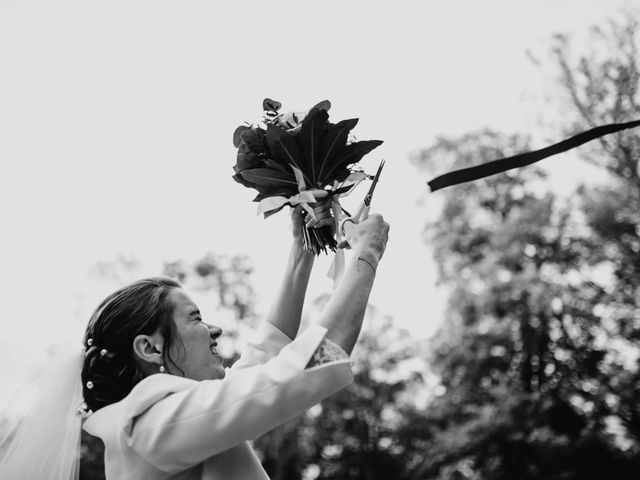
<point>156,393</point>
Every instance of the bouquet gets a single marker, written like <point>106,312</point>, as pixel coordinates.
<point>287,156</point>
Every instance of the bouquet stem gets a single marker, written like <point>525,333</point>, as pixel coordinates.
<point>316,240</point>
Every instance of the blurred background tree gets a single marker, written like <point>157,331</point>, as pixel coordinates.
<point>538,355</point>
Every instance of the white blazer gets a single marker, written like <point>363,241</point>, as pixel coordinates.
<point>171,427</point>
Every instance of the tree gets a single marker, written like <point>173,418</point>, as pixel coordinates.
<point>538,355</point>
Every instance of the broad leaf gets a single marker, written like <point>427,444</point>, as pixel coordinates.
<point>333,143</point>
<point>284,148</point>
<point>323,105</point>
<point>238,178</point>
<point>352,154</point>
<point>268,177</point>
<point>309,139</point>
<point>269,163</point>
<point>274,192</point>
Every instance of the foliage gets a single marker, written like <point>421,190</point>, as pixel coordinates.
<point>538,356</point>
<point>291,153</point>
<point>355,433</point>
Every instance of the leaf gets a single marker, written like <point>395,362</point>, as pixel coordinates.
<point>334,142</point>
<point>238,178</point>
<point>274,192</point>
<point>236,135</point>
<point>270,163</point>
<point>323,105</point>
<point>341,174</point>
<point>284,148</point>
<point>309,139</point>
<point>275,210</point>
<point>268,177</point>
<point>352,154</point>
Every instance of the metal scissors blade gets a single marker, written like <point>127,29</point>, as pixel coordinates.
<point>367,198</point>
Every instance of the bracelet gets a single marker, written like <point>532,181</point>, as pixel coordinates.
<point>368,263</point>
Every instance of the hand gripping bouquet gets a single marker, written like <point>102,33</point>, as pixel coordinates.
<point>288,155</point>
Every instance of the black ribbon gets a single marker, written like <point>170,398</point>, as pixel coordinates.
<point>523,159</point>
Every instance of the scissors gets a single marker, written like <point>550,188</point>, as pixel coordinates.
<point>363,211</point>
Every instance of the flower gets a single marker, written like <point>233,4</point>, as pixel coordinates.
<point>295,151</point>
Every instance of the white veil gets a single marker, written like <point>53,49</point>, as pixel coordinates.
<point>45,443</point>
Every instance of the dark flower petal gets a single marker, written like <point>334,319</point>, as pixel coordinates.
<point>254,139</point>
<point>269,105</point>
<point>248,160</point>
<point>236,135</point>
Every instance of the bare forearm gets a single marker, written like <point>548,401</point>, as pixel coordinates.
<point>286,311</point>
<point>344,313</point>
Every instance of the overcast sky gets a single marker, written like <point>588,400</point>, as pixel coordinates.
<point>116,120</point>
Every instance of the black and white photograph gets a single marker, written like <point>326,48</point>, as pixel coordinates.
<point>334,240</point>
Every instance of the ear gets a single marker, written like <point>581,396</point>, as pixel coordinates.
<point>148,348</point>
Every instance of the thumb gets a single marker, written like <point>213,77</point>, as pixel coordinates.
<point>319,194</point>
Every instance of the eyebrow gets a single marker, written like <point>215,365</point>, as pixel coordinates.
<point>195,311</point>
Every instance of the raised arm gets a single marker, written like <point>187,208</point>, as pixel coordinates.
<point>344,312</point>
<point>286,310</point>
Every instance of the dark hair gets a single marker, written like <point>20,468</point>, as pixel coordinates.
<point>141,308</point>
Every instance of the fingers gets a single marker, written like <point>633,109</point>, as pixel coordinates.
<point>322,218</point>
<point>371,234</point>
<point>321,211</point>
<point>347,228</point>
<point>319,194</point>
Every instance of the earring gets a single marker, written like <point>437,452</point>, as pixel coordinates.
<point>162,369</point>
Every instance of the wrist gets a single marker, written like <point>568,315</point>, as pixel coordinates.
<point>367,255</point>
<point>300,255</point>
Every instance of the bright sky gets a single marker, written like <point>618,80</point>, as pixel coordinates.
<point>116,120</point>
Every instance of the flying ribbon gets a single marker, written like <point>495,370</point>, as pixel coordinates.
<point>523,159</point>
<point>304,197</point>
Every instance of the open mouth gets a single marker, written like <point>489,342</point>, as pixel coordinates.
<point>214,350</point>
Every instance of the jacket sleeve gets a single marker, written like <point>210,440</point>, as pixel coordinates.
<point>265,345</point>
<point>185,428</point>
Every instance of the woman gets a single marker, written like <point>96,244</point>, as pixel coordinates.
<point>159,397</point>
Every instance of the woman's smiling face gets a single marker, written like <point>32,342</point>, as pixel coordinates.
<point>199,359</point>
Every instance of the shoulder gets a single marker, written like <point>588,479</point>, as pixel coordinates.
<point>143,396</point>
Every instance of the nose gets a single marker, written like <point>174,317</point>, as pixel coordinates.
<point>214,331</point>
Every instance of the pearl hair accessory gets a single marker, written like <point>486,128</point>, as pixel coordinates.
<point>89,384</point>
